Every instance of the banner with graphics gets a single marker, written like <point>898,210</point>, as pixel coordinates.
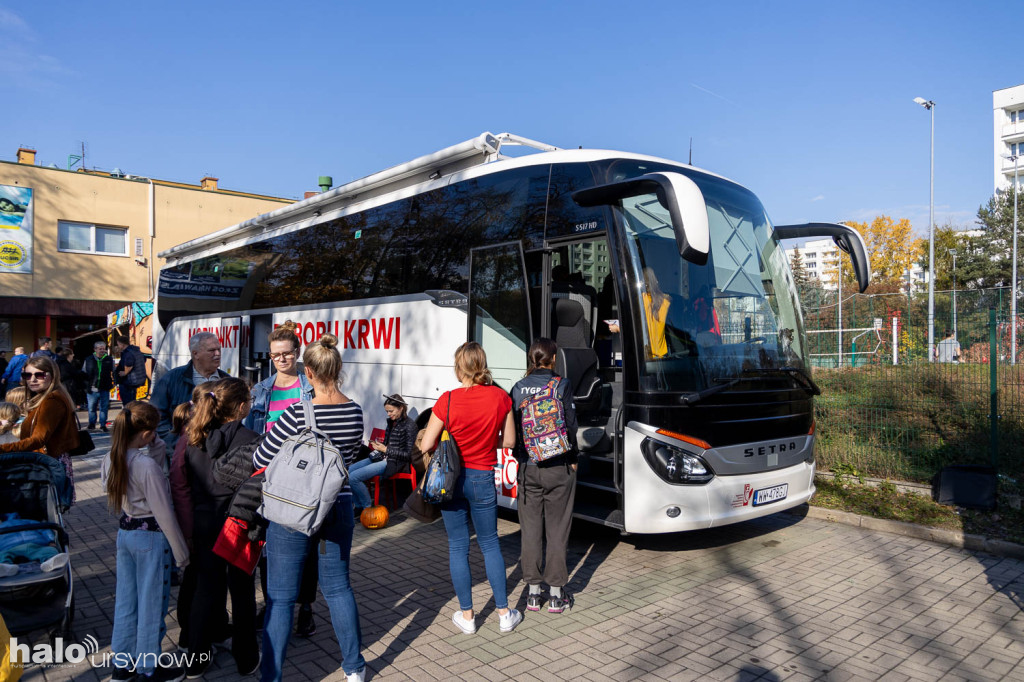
<point>15,229</point>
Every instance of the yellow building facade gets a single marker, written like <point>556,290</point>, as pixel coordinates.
<point>78,245</point>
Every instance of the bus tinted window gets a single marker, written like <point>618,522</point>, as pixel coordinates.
<point>408,246</point>
<point>565,218</point>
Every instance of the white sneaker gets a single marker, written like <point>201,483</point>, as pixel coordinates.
<point>468,627</point>
<point>7,570</point>
<point>356,677</point>
<point>54,563</point>
<point>510,620</point>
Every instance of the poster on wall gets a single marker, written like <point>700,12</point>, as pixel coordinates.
<point>15,229</point>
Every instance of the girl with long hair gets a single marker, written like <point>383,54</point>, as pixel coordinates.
<point>10,415</point>
<point>133,478</point>
<point>341,420</point>
<point>478,415</point>
<point>546,489</point>
<point>214,429</point>
<point>50,425</point>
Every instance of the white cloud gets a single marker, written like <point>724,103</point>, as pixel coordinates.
<point>820,197</point>
<point>21,65</point>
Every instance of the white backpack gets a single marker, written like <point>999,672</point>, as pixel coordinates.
<point>304,479</point>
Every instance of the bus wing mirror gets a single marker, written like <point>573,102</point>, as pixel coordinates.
<point>846,238</point>
<point>677,193</point>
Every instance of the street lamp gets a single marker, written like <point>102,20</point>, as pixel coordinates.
<point>930,106</point>
<point>1013,277</point>
<point>952,252</point>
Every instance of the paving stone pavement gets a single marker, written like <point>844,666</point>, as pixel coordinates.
<point>781,598</point>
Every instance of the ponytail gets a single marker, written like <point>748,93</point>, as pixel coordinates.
<point>541,354</point>
<point>134,418</point>
<point>218,403</point>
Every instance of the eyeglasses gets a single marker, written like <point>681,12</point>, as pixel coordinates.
<point>38,376</point>
<point>280,356</point>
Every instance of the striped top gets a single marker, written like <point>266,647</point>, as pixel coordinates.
<point>280,399</point>
<point>343,424</point>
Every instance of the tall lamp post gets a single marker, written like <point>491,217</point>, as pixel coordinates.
<point>930,106</point>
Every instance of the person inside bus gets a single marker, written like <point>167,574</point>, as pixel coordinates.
<point>656,304</point>
<point>270,398</point>
<point>706,319</point>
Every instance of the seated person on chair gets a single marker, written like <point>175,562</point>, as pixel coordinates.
<point>387,458</point>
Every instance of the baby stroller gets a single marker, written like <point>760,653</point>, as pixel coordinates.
<point>35,488</point>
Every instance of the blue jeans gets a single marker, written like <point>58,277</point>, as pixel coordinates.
<point>100,399</point>
<point>142,594</point>
<point>361,471</point>
<point>286,553</point>
<point>476,496</point>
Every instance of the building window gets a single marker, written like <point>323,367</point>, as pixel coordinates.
<point>89,238</point>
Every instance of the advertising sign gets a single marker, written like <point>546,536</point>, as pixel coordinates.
<point>15,229</point>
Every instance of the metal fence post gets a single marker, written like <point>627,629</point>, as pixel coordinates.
<point>895,342</point>
<point>993,364</point>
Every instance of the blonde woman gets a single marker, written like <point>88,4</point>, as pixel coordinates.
<point>341,419</point>
<point>478,415</point>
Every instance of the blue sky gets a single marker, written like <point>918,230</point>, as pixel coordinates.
<point>808,104</point>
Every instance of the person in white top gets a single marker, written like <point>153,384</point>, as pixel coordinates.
<point>948,350</point>
<point>132,474</point>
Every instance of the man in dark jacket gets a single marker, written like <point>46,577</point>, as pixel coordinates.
<point>99,375</point>
<point>175,387</point>
<point>131,369</point>
<point>44,349</point>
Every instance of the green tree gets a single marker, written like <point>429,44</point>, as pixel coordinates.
<point>987,262</point>
<point>948,238</point>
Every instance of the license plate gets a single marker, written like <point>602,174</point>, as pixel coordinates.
<point>769,495</point>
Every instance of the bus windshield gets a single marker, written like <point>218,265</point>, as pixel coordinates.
<point>702,326</point>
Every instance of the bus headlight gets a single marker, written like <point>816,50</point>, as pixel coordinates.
<point>675,465</point>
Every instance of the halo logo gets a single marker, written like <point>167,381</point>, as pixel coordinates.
<point>56,653</point>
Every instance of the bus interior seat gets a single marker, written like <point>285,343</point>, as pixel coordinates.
<point>576,360</point>
<point>593,439</point>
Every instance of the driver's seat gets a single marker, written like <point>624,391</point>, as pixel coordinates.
<point>576,360</point>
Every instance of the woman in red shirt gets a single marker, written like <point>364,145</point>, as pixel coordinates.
<point>478,415</point>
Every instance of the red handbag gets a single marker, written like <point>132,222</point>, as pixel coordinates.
<point>234,546</point>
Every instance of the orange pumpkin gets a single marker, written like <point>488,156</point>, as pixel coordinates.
<point>374,517</point>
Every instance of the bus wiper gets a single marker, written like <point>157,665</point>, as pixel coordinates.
<point>692,398</point>
<point>797,373</point>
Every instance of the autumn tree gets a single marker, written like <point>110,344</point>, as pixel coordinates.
<point>891,250</point>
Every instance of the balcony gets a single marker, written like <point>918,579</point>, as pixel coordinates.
<point>1012,131</point>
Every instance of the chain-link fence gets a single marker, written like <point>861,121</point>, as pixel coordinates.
<point>888,411</point>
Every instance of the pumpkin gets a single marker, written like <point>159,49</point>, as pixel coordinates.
<point>374,517</point>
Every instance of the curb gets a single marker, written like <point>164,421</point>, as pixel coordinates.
<point>953,538</point>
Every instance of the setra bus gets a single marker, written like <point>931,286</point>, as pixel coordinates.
<point>664,286</point>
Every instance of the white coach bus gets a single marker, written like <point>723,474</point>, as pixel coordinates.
<point>665,287</point>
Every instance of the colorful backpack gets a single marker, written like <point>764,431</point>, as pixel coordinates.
<point>543,424</point>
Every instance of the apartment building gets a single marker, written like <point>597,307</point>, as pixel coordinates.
<point>77,245</point>
<point>1008,133</point>
<point>819,260</point>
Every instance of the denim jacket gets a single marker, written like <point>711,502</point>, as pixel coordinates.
<point>257,419</point>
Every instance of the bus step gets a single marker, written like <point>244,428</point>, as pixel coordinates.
<point>596,486</point>
<point>598,514</point>
<point>601,458</point>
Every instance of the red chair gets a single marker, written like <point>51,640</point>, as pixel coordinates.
<point>411,477</point>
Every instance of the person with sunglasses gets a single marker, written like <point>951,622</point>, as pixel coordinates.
<point>270,398</point>
<point>50,424</point>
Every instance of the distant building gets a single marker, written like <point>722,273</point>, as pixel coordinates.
<point>78,245</point>
<point>819,259</point>
<point>1008,128</point>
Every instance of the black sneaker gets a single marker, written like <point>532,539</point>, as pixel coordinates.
<point>560,604</point>
<point>162,674</point>
<point>199,669</point>
<point>122,675</point>
<point>306,626</point>
<point>533,602</point>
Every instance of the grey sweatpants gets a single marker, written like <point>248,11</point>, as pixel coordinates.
<point>545,502</point>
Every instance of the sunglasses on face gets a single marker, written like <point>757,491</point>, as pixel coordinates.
<point>38,376</point>
<point>281,356</point>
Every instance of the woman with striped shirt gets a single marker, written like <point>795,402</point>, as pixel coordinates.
<point>341,420</point>
<point>270,398</point>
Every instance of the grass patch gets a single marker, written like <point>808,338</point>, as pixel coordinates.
<point>849,493</point>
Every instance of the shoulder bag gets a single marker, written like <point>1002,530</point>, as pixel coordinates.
<point>444,468</point>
